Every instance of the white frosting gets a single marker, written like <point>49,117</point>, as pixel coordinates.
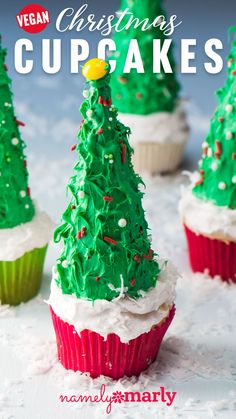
<point>206,218</point>
<point>126,317</point>
<point>161,127</point>
<point>16,241</point>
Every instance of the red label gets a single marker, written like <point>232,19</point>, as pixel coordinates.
<point>33,18</point>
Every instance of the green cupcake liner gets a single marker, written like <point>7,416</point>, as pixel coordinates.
<point>20,279</point>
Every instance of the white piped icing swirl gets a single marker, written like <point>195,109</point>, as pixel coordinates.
<point>161,127</point>
<point>126,317</point>
<point>204,217</point>
<point>16,241</point>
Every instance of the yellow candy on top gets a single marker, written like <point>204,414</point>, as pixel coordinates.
<point>95,69</point>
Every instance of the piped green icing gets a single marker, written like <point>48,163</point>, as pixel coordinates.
<point>92,267</point>
<point>16,206</point>
<point>218,165</point>
<point>147,92</point>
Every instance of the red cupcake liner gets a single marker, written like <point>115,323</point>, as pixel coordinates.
<point>213,256</point>
<point>90,352</point>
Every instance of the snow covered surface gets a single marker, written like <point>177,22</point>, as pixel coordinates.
<point>197,358</point>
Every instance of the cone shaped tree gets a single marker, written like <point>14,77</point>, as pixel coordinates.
<point>16,206</point>
<point>146,92</point>
<point>106,244</point>
<point>217,182</point>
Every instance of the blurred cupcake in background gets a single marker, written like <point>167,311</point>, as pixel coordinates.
<point>24,230</point>
<point>208,207</point>
<point>149,103</point>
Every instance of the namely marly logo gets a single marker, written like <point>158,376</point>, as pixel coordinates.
<point>117,397</point>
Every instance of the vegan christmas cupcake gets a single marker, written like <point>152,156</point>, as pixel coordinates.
<point>148,102</point>
<point>208,209</point>
<point>111,300</point>
<point>24,230</point>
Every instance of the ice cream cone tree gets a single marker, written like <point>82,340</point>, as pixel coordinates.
<point>148,92</point>
<point>106,244</point>
<point>217,168</point>
<point>16,206</point>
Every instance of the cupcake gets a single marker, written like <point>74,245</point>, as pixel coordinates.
<point>208,207</point>
<point>111,300</point>
<point>149,102</point>
<point>24,229</point>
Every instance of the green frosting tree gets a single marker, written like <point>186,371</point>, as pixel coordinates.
<point>16,206</point>
<point>217,168</point>
<point>147,92</point>
<point>106,244</point>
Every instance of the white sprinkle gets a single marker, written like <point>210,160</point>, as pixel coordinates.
<point>15,141</point>
<point>214,165</point>
<point>22,194</point>
<point>27,206</point>
<point>110,119</point>
<point>229,108</point>
<point>111,161</point>
<point>7,185</point>
<point>122,222</point>
<point>81,194</point>
<point>209,152</point>
<point>204,144</point>
<point>106,156</point>
<point>234,179</point>
<point>89,113</point>
<point>222,185</point>
<point>64,264</point>
<point>229,135</point>
<point>85,93</point>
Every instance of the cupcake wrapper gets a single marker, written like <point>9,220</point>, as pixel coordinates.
<point>20,279</point>
<point>90,352</point>
<point>156,158</point>
<point>212,256</point>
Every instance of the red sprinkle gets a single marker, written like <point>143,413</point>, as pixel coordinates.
<point>83,231</point>
<point>72,207</point>
<point>28,190</point>
<point>218,146</point>
<point>22,124</point>
<point>81,124</point>
<point>221,119</point>
<point>137,258</point>
<point>149,256</point>
<point>123,153</point>
<point>234,156</point>
<point>199,182</point>
<point>99,131</point>
<point>73,147</point>
<point>132,283</point>
<point>234,72</point>
<point>123,80</point>
<point>217,155</point>
<point>79,235</point>
<point>141,230</point>
<point>108,198</point>
<point>5,67</point>
<point>97,278</point>
<point>25,163</point>
<point>205,150</point>
<point>120,141</point>
<point>109,240</point>
<point>139,95</point>
<point>100,100</point>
